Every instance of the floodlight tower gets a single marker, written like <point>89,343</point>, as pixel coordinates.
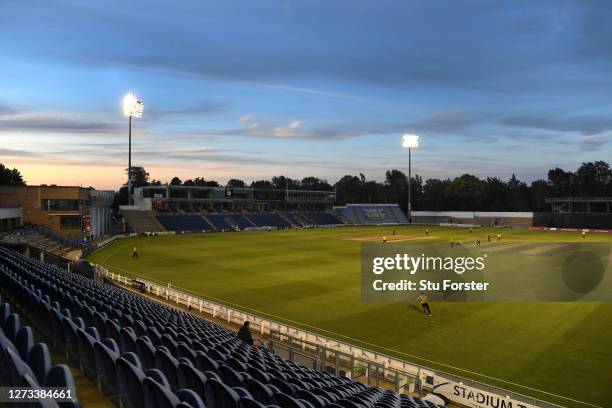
<point>132,107</point>
<point>410,142</point>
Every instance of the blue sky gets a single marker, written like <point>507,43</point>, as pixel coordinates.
<point>252,89</point>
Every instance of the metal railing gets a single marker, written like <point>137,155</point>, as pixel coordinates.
<point>325,353</point>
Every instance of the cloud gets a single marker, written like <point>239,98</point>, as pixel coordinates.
<point>562,121</point>
<point>246,118</point>
<point>16,153</point>
<point>55,123</point>
<point>592,143</point>
<point>205,108</point>
<point>320,41</point>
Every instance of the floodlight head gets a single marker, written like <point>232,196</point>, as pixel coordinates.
<point>410,141</point>
<point>132,106</point>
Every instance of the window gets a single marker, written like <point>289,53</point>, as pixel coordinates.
<point>70,222</point>
<point>52,204</point>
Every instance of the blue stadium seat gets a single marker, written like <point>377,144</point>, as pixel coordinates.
<point>127,339</point>
<point>189,398</point>
<point>12,326</point>
<point>192,378</point>
<point>158,396</point>
<point>106,358</point>
<point>87,354</point>
<point>39,361</point>
<point>24,341</point>
<point>130,384</point>
<point>227,372</point>
<point>146,352</point>
<point>219,395</point>
<point>184,223</point>
<point>17,368</point>
<point>166,363</point>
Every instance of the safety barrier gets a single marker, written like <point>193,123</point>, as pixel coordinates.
<point>340,358</point>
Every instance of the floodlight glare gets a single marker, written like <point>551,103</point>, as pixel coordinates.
<point>410,141</point>
<point>132,106</point>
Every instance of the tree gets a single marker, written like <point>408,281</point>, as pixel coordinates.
<point>433,197</point>
<point>560,181</point>
<point>592,179</point>
<point>176,181</point>
<point>235,183</point>
<point>494,193</point>
<point>538,191</point>
<point>315,183</point>
<point>396,184</point>
<point>283,182</point>
<point>464,193</point>
<point>518,195</point>
<point>140,177</point>
<point>11,177</point>
<point>200,182</point>
<point>348,189</point>
<point>261,184</point>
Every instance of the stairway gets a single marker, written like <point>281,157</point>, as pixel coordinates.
<point>307,219</point>
<point>231,223</point>
<point>209,222</point>
<point>287,219</point>
<point>142,221</point>
<point>341,217</point>
<point>246,217</point>
<point>394,216</point>
<point>357,216</point>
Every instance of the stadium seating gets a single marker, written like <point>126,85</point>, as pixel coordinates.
<point>219,221</point>
<point>296,218</point>
<point>190,222</point>
<point>141,221</point>
<point>372,214</point>
<point>322,218</point>
<point>268,220</point>
<point>348,214</point>
<point>177,359</point>
<point>239,221</point>
<point>25,364</point>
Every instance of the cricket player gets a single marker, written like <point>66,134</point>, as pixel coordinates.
<point>583,234</point>
<point>424,304</point>
<point>135,252</point>
<point>427,231</point>
<point>384,239</point>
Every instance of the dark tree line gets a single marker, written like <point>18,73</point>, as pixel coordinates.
<point>10,177</point>
<point>466,192</point>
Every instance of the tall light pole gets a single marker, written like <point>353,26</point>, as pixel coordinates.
<point>131,107</point>
<point>410,142</point>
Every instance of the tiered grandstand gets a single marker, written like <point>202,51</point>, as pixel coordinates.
<point>145,354</point>
<point>372,214</point>
<point>205,209</point>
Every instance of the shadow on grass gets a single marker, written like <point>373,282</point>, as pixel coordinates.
<point>415,308</point>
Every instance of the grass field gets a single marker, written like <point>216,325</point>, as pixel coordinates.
<point>311,279</point>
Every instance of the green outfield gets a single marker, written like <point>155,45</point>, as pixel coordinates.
<point>311,279</point>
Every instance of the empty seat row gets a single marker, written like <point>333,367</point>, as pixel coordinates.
<point>24,363</point>
<point>123,340</point>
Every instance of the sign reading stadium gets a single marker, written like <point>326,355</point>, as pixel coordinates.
<point>474,397</point>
